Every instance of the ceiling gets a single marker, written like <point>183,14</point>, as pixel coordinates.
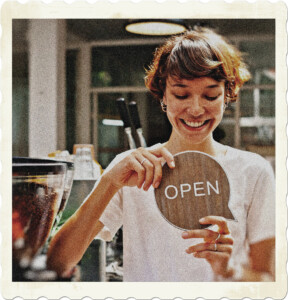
<point>104,29</point>
<point>113,29</point>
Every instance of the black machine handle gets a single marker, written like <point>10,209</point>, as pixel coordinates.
<point>123,110</point>
<point>134,114</point>
<point>136,121</point>
<point>124,114</point>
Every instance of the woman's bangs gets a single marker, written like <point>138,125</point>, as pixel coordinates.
<point>192,60</point>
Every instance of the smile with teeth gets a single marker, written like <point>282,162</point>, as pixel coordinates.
<point>194,124</point>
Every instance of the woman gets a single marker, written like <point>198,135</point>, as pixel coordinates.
<point>194,76</point>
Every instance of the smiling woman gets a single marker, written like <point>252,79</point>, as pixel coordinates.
<point>193,75</point>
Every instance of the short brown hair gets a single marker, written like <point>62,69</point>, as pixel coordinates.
<point>197,53</point>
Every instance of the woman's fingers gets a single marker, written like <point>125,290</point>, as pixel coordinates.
<point>210,247</point>
<point>208,236</point>
<point>149,166</point>
<point>138,173</point>
<point>221,222</point>
<point>161,155</point>
<point>225,239</point>
<point>153,167</point>
<point>213,256</point>
<point>140,168</point>
<point>149,173</point>
<point>146,166</point>
<point>217,247</point>
<point>166,156</point>
<point>151,170</point>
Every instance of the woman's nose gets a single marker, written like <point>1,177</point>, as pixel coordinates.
<point>195,108</point>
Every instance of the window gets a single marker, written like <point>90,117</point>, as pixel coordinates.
<point>119,72</point>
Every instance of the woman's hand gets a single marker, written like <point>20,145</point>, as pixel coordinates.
<point>141,168</point>
<point>216,247</point>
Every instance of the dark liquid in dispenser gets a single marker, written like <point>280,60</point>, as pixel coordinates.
<point>34,210</point>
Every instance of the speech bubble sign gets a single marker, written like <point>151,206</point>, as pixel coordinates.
<point>197,187</point>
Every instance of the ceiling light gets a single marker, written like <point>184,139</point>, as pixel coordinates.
<point>156,26</point>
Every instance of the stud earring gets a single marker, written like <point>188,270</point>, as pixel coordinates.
<point>225,105</point>
<point>163,106</point>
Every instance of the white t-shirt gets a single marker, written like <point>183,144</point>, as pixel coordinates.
<point>154,249</point>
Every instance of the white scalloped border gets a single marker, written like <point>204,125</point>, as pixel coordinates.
<point>134,8</point>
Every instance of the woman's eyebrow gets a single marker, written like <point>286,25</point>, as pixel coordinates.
<point>179,85</point>
<point>212,86</point>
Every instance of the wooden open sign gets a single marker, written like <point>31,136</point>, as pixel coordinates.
<point>196,188</point>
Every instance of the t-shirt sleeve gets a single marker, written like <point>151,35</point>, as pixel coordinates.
<point>112,217</point>
<point>261,213</point>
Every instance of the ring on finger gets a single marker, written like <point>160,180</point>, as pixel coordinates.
<point>217,237</point>
<point>142,162</point>
<point>215,247</point>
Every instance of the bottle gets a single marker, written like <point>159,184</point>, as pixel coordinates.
<point>86,167</point>
<point>78,164</point>
<point>87,164</point>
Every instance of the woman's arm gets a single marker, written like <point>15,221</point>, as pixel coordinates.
<point>217,250</point>
<point>141,168</point>
<point>262,262</point>
<point>261,226</point>
<point>70,243</point>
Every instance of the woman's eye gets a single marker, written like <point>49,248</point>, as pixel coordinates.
<point>180,97</point>
<point>211,98</point>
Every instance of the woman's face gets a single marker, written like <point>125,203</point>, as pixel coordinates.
<point>194,107</point>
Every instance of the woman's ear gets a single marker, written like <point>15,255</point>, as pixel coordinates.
<point>164,99</point>
<point>163,103</point>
